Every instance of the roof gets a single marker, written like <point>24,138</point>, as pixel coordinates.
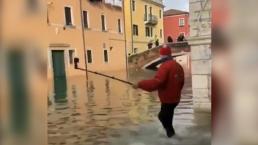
<point>172,12</point>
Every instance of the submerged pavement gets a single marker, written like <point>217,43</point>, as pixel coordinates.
<point>102,111</point>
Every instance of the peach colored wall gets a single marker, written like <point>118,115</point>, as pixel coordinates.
<point>113,40</point>
<point>94,37</point>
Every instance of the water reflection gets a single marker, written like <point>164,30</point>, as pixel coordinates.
<point>108,112</point>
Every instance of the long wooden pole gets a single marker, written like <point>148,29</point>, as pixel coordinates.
<point>104,75</point>
<point>83,38</point>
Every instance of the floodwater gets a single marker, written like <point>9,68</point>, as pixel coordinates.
<point>103,111</point>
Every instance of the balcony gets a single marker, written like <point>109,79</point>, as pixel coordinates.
<point>116,3</point>
<point>95,0</point>
<point>150,19</point>
<point>158,1</point>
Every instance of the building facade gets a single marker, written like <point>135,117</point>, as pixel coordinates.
<point>143,24</point>
<point>176,22</point>
<point>91,30</point>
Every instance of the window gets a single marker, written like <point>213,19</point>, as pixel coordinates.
<point>145,13</point>
<point>161,33</point>
<point>135,30</point>
<point>147,31</point>
<point>135,50</point>
<point>160,14</point>
<point>151,31</point>
<point>103,23</point>
<point>181,22</point>
<point>150,10</point>
<point>106,56</point>
<point>89,56</point>
<point>71,56</point>
<point>85,19</point>
<point>119,26</point>
<point>133,5</point>
<point>68,16</point>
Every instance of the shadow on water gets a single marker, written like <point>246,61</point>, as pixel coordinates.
<point>102,111</point>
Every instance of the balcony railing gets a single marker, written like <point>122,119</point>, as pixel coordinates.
<point>117,3</point>
<point>95,0</point>
<point>150,19</point>
<point>158,1</point>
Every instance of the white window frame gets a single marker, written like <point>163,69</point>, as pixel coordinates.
<point>68,56</point>
<point>91,56</point>
<point>72,16</point>
<point>88,19</point>
<point>179,23</point>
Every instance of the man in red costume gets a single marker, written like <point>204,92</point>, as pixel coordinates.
<point>169,81</point>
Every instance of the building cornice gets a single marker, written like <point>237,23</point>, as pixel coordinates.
<point>155,3</point>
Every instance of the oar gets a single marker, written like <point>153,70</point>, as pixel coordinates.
<point>111,77</point>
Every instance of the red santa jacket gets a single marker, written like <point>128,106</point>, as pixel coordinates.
<point>169,81</point>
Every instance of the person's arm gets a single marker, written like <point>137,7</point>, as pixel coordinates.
<point>155,83</point>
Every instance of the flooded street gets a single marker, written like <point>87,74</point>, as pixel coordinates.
<point>103,111</point>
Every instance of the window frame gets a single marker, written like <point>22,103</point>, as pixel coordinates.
<point>147,31</point>
<point>105,23</point>
<point>69,56</point>
<point>88,20</point>
<point>133,5</point>
<point>104,56</point>
<point>135,31</point>
<point>119,23</point>
<point>88,57</point>
<point>71,13</point>
<point>179,23</point>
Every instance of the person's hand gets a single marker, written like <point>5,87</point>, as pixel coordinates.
<point>135,86</point>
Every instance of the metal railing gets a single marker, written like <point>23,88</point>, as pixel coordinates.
<point>117,3</point>
<point>150,19</point>
<point>158,1</point>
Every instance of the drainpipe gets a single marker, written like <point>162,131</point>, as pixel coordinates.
<point>126,56</point>
<point>1,16</point>
<point>83,40</point>
<point>131,16</point>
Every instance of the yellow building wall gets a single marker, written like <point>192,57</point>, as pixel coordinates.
<point>140,42</point>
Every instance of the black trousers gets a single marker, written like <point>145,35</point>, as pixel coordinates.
<point>166,115</point>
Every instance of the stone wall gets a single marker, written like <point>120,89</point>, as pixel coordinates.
<point>200,41</point>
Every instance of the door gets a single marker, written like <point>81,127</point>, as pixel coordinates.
<point>59,75</point>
